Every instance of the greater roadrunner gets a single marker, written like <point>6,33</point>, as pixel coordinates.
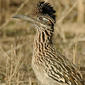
<point>50,66</point>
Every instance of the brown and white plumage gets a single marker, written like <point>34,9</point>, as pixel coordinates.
<point>50,66</point>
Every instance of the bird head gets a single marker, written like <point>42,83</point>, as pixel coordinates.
<point>45,15</point>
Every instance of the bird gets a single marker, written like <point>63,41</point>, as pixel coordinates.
<point>49,65</point>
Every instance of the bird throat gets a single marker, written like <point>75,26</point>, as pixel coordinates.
<point>42,40</point>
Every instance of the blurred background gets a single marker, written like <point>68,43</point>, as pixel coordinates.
<point>16,38</point>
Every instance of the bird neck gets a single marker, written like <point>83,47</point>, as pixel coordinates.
<point>43,39</point>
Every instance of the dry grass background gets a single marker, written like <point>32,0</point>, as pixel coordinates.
<point>16,38</point>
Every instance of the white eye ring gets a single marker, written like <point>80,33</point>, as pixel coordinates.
<point>45,19</point>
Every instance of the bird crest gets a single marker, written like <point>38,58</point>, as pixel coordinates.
<point>45,8</point>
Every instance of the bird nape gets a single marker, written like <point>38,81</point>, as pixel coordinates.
<point>49,65</point>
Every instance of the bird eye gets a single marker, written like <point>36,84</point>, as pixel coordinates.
<point>45,20</point>
<point>40,18</point>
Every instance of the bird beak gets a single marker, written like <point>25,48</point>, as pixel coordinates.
<point>29,19</point>
<point>25,18</point>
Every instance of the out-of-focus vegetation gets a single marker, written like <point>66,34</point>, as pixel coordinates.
<point>16,38</point>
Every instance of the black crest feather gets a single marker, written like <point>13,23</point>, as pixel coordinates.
<point>46,9</point>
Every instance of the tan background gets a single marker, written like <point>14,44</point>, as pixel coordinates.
<point>16,38</point>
